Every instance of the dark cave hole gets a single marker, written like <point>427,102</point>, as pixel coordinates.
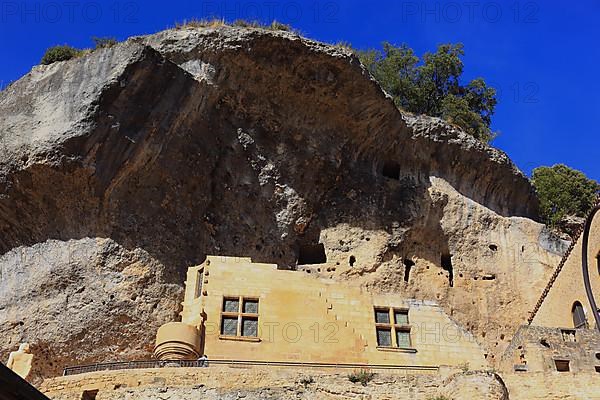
<point>408,264</point>
<point>312,254</point>
<point>391,169</point>
<point>493,247</point>
<point>89,394</point>
<point>446,262</point>
<point>352,261</point>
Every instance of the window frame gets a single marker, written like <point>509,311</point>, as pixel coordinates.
<point>393,327</point>
<point>578,313</point>
<point>199,283</point>
<point>569,335</point>
<point>560,364</point>
<point>240,315</point>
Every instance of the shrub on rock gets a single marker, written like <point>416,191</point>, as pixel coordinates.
<point>59,53</point>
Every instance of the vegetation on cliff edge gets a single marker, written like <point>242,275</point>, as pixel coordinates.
<point>65,52</point>
<point>432,86</point>
<point>59,53</point>
<point>563,192</point>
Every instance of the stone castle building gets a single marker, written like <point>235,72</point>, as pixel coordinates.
<point>236,312</point>
<point>251,311</point>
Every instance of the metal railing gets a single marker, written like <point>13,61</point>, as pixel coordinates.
<point>127,365</point>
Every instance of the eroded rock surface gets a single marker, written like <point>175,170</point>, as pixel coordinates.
<point>274,383</point>
<point>246,142</point>
<point>82,301</point>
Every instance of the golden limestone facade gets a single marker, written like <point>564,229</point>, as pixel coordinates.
<point>248,318</point>
<point>249,311</point>
<point>566,304</point>
<point>561,336</point>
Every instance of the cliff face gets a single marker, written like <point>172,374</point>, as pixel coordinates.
<point>81,301</point>
<point>251,143</point>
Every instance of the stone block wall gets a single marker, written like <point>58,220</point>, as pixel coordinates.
<point>535,349</point>
<point>275,383</point>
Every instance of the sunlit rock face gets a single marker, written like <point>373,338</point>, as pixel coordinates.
<point>254,143</point>
<point>82,301</point>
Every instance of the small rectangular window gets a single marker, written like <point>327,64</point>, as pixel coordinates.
<point>597,368</point>
<point>396,334</point>
<point>384,337</point>
<point>199,279</point>
<point>250,306</point>
<point>249,327</point>
<point>562,365</point>
<point>229,326</point>
<point>382,316</point>
<point>403,338</point>
<point>231,305</point>
<point>239,322</point>
<point>568,335</point>
<point>401,317</point>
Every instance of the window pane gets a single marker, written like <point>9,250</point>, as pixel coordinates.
<point>382,316</point>
<point>401,317</point>
<point>250,327</point>
<point>578,315</point>
<point>229,326</point>
<point>231,305</point>
<point>200,278</point>
<point>251,306</point>
<point>403,338</point>
<point>384,337</point>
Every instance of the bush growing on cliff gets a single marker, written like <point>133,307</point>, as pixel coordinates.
<point>563,191</point>
<point>432,86</point>
<point>104,42</point>
<point>363,376</point>
<point>59,53</point>
<point>307,380</point>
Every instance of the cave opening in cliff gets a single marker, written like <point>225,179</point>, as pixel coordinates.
<point>352,260</point>
<point>408,264</point>
<point>89,394</point>
<point>446,262</point>
<point>311,254</point>
<point>598,262</point>
<point>391,169</point>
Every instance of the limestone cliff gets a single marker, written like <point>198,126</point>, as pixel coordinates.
<point>243,142</point>
<point>82,300</point>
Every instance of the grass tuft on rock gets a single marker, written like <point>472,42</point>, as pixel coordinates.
<point>215,23</point>
<point>60,53</point>
<point>364,376</point>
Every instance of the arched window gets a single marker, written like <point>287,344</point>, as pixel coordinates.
<point>578,315</point>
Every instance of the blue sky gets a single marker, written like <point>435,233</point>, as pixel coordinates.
<point>543,56</point>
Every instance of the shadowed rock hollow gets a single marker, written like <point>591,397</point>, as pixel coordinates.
<point>252,143</point>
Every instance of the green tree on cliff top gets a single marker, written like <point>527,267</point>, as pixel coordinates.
<point>563,191</point>
<point>432,86</point>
